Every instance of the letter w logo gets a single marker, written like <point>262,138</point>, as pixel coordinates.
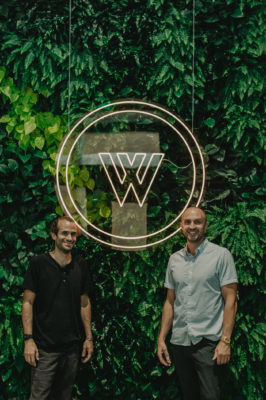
<point>130,171</point>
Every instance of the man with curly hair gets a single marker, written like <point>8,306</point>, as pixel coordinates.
<point>56,315</point>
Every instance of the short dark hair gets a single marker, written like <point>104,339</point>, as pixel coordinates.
<point>54,224</point>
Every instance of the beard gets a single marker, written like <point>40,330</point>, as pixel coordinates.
<point>65,248</point>
<point>194,237</point>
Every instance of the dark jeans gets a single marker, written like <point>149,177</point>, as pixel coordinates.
<point>198,374</point>
<point>54,375</point>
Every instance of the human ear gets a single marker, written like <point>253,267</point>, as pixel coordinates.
<point>53,235</point>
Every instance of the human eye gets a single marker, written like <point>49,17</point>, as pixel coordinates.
<point>198,222</point>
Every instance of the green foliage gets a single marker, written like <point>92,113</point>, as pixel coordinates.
<point>241,229</point>
<point>14,377</point>
<point>43,132</point>
<point>28,126</point>
<point>132,49</point>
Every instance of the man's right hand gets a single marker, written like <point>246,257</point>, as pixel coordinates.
<point>31,352</point>
<point>163,354</point>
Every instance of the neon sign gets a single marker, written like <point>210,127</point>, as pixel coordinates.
<point>122,157</point>
<point>130,174</point>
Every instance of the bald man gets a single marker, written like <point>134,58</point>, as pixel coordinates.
<point>200,309</point>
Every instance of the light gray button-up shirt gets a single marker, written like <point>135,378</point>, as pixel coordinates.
<point>197,281</point>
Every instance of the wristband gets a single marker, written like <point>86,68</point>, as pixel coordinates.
<point>89,339</point>
<point>27,337</point>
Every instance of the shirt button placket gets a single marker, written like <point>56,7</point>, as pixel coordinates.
<point>189,293</point>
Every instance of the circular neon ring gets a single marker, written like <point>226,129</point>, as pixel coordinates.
<point>110,234</point>
<point>154,115</point>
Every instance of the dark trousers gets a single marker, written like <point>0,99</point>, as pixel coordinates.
<point>54,375</point>
<point>198,374</point>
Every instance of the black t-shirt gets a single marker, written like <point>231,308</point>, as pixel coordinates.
<point>56,309</point>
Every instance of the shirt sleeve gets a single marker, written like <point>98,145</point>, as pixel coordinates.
<point>87,286</point>
<point>227,271</point>
<point>30,278</point>
<point>169,282</point>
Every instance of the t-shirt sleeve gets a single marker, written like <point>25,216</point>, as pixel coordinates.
<point>169,282</point>
<point>227,271</point>
<point>30,278</point>
<point>87,286</point>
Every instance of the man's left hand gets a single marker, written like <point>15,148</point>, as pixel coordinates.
<point>222,353</point>
<point>87,351</point>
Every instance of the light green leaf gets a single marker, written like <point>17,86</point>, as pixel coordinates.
<point>5,118</point>
<point>39,142</point>
<point>105,211</point>
<point>90,184</point>
<point>6,90</point>
<point>30,125</point>
<point>84,174</point>
<point>54,128</point>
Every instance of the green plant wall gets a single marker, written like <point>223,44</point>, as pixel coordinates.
<point>137,49</point>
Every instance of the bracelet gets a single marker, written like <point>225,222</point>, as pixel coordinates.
<point>27,337</point>
<point>89,339</point>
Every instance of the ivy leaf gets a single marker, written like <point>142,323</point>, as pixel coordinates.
<point>84,174</point>
<point>6,90</point>
<point>210,122</point>
<point>238,13</point>
<point>12,164</point>
<point>153,211</point>
<point>30,125</point>
<point>24,157</point>
<point>5,118</point>
<point>3,169</point>
<point>211,149</point>
<point>90,184</point>
<point>105,211</point>
<point>59,211</point>
<point>14,97</point>
<point>39,142</point>
<point>54,128</point>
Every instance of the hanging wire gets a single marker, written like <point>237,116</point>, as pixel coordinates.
<point>193,80</point>
<point>193,65</point>
<point>69,60</point>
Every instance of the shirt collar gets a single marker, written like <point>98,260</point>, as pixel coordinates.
<point>198,249</point>
<point>67,267</point>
